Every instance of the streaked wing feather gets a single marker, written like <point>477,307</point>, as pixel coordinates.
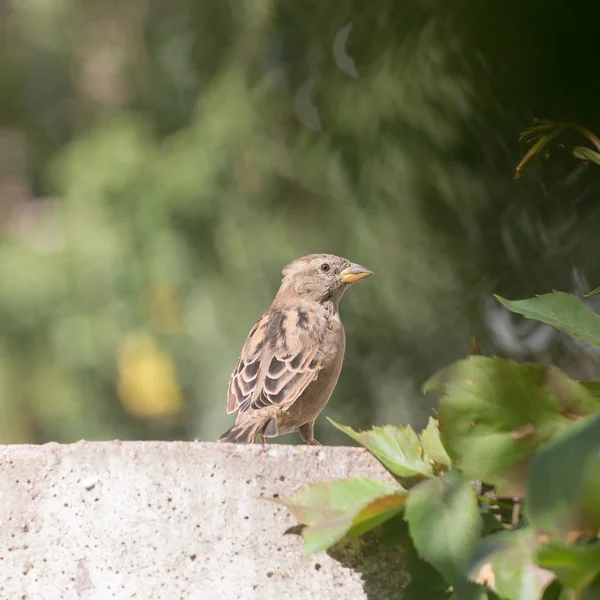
<point>283,386</point>
<point>242,382</point>
<point>282,367</point>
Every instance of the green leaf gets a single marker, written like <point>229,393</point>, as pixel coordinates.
<point>432,444</point>
<point>575,566</point>
<point>395,532</point>
<point>345,506</point>
<point>564,485</point>
<point>444,522</point>
<point>505,562</point>
<point>426,582</point>
<point>553,591</point>
<point>561,310</point>
<point>495,413</point>
<point>397,448</point>
<point>426,589</point>
<point>377,512</point>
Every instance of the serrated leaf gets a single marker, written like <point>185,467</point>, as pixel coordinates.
<point>563,493</point>
<point>432,444</point>
<point>444,522</point>
<point>505,562</point>
<point>377,512</point>
<point>330,499</point>
<point>562,311</point>
<point>495,413</point>
<point>575,566</point>
<point>397,448</point>
<point>426,583</point>
<point>334,509</point>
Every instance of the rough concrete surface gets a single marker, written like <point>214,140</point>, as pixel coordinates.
<point>176,520</point>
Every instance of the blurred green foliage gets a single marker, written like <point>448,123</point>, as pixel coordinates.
<point>161,162</point>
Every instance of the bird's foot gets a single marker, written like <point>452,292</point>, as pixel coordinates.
<point>263,444</point>
<point>315,443</point>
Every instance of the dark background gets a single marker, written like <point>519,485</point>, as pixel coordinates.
<point>160,162</point>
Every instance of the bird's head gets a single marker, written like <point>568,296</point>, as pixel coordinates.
<point>321,277</point>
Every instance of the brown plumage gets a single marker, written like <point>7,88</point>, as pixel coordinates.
<point>292,358</point>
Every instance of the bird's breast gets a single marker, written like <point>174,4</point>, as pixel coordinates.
<point>334,338</point>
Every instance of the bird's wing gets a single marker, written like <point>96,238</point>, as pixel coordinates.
<point>279,359</point>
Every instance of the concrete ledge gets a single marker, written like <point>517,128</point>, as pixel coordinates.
<point>176,520</point>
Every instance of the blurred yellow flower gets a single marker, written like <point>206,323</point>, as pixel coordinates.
<point>148,384</point>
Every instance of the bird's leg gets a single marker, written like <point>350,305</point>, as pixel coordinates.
<point>307,433</point>
<point>261,438</point>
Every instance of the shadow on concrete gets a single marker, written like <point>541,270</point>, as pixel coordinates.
<point>382,568</point>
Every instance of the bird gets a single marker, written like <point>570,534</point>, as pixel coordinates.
<point>292,357</point>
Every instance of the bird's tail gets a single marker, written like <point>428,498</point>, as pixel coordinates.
<point>246,432</point>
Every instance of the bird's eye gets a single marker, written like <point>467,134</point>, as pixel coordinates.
<point>325,267</point>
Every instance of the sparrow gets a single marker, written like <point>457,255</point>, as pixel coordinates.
<point>292,357</point>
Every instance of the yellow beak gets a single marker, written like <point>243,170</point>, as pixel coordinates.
<point>354,273</point>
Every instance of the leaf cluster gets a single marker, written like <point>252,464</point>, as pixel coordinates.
<point>499,496</point>
<point>545,132</point>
